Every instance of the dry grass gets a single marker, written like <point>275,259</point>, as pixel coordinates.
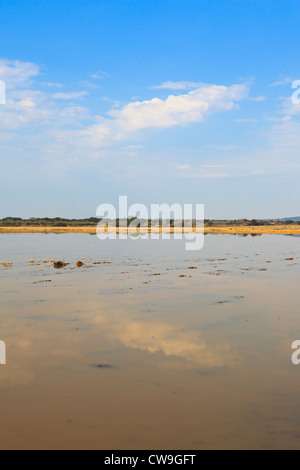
<point>274,229</point>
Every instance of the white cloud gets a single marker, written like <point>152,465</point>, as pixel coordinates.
<point>100,75</point>
<point>246,120</point>
<point>183,167</point>
<point>53,85</point>
<point>133,147</point>
<point>213,166</point>
<point>69,96</point>
<point>283,81</point>
<point>17,74</point>
<point>49,125</point>
<point>162,114</point>
<point>289,108</point>
<point>18,114</point>
<point>286,135</point>
<point>184,85</point>
<point>178,110</point>
<point>31,107</point>
<point>258,99</point>
<point>278,119</point>
<point>37,124</point>
<point>87,84</point>
<point>202,173</point>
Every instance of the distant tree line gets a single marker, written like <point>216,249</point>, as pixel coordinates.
<point>47,222</point>
<point>249,223</point>
<point>93,221</point>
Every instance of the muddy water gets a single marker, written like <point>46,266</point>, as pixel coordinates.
<point>187,358</point>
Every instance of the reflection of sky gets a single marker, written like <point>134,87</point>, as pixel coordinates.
<point>38,321</point>
<point>157,336</point>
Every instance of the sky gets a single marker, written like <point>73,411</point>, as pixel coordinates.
<point>164,101</point>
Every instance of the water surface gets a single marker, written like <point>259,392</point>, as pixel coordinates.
<point>192,358</point>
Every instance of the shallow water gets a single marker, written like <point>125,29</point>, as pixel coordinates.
<point>192,358</point>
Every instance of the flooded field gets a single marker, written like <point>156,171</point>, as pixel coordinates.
<point>148,346</point>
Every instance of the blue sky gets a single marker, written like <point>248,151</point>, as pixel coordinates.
<point>163,101</point>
